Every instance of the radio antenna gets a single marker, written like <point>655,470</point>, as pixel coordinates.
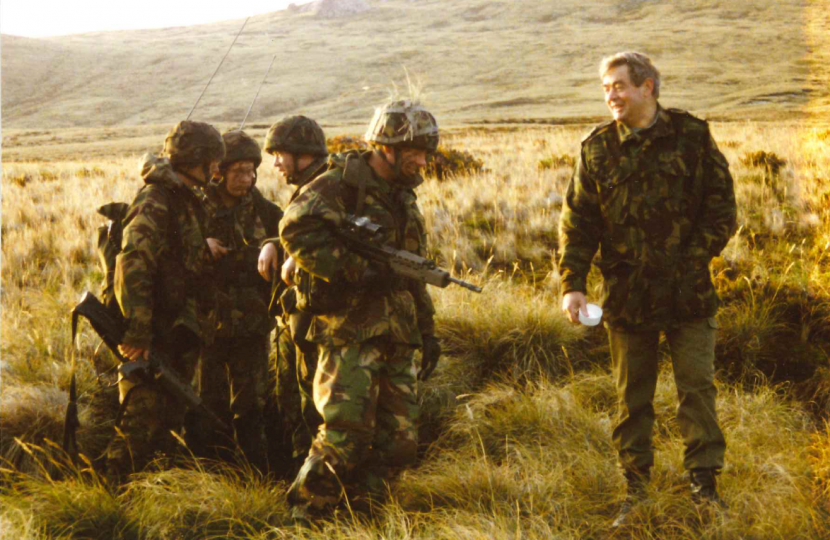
<point>257,92</point>
<point>217,69</point>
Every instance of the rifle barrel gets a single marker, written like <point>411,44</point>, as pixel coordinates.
<point>465,284</point>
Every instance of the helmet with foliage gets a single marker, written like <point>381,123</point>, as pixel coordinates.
<point>296,135</point>
<point>190,144</point>
<point>239,146</point>
<point>404,123</point>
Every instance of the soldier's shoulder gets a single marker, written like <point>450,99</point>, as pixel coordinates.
<point>599,132</point>
<point>155,195</point>
<point>338,160</point>
<point>687,122</point>
<point>325,184</point>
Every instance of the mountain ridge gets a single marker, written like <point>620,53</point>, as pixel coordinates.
<point>479,60</point>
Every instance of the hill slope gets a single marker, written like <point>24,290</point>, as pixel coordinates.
<point>478,59</point>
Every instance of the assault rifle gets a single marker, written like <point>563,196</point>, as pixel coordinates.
<point>362,235</point>
<point>153,370</point>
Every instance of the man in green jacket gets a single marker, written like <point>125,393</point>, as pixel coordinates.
<point>367,322</point>
<point>163,285</point>
<point>298,145</point>
<point>653,193</point>
<point>234,368</point>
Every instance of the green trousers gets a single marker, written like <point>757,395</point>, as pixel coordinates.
<point>634,356</point>
<point>233,380</point>
<point>365,393</point>
<point>295,364</point>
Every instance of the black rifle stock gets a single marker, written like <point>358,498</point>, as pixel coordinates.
<point>361,234</point>
<point>153,370</point>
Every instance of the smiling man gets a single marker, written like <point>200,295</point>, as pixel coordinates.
<point>652,192</point>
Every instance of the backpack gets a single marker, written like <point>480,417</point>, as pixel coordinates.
<point>109,239</point>
<point>109,246</point>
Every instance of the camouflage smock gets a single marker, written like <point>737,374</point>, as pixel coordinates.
<point>312,171</point>
<point>659,204</point>
<point>405,311</point>
<point>162,275</point>
<point>241,228</point>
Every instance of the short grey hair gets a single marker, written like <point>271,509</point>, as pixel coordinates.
<point>639,67</point>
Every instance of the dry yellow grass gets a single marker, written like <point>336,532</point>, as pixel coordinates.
<point>518,419</point>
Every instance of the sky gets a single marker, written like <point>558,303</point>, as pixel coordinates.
<point>42,18</point>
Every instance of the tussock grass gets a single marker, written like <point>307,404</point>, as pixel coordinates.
<point>507,330</point>
<point>516,422</point>
<point>209,501</point>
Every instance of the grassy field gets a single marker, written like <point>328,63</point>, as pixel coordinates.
<point>480,60</point>
<point>516,426</point>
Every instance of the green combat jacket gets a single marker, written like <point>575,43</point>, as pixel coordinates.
<point>659,204</point>
<point>162,275</point>
<point>352,309</point>
<point>312,171</point>
<point>244,307</point>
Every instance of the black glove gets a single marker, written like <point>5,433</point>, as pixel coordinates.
<point>429,356</point>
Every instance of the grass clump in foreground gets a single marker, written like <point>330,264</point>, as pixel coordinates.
<point>530,461</point>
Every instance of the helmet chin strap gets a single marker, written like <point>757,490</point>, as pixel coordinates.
<point>396,166</point>
<point>206,172</point>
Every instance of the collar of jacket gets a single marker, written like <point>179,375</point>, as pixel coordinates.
<point>662,127</point>
<point>314,169</point>
<point>356,165</point>
<point>157,170</point>
<point>214,198</point>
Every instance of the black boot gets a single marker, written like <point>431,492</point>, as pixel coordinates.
<point>636,481</point>
<point>704,487</point>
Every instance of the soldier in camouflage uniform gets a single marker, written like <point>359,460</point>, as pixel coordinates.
<point>162,283</point>
<point>234,369</point>
<point>652,192</point>
<point>298,145</point>
<point>367,322</point>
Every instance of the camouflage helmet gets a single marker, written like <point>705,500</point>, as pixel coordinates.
<point>190,144</point>
<point>239,146</point>
<point>404,123</point>
<point>296,135</point>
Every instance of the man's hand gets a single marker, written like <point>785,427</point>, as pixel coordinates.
<point>217,248</point>
<point>268,260</point>
<point>429,356</point>
<point>572,303</point>
<point>288,269</point>
<point>133,353</point>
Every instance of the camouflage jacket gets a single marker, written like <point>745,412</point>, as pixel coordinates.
<point>315,169</point>
<point>241,228</point>
<point>659,204</point>
<point>163,274</point>
<point>335,276</point>
<point>280,297</point>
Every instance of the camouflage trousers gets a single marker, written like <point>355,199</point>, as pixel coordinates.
<point>365,393</point>
<point>294,365</point>
<point>233,383</point>
<point>634,356</point>
<point>149,414</point>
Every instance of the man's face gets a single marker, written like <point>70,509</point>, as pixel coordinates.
<point>627,102</point>
<point>413,160</point>
<point>239,178</point>
<point>284,162</point>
